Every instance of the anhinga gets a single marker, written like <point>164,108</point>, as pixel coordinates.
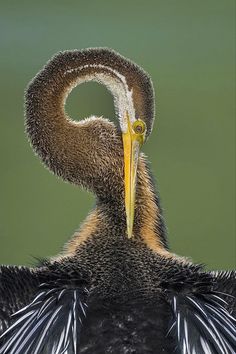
<point>116,287</point>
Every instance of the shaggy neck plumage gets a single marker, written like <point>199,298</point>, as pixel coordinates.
<point>81,152</point>
<point>90,152</point>
<point>108,221</point>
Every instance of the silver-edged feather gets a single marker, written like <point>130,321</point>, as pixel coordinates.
<point>51,323</point>
<point>203,325</point>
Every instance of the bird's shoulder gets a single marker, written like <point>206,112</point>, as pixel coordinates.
<point>186,309</point>
<point>203,310</point>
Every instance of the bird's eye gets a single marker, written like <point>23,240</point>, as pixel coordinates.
<point>139,127</point>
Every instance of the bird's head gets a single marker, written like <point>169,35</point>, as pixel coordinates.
<point>92,152</point>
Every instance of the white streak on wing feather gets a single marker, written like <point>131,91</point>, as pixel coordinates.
<point>225,313</point>
<point>75,301</point>
<point>45,306</point>
<point>174,301</point>
<point>30,304</point>
<point>66,347</point>
<point>57,346</point>
<point>74,328</point>
<point>211,333</point>
<point>213,318</point>
<point>61,293</point>
<point>186,335</point>
<point>184,348</point>
<point>178,325</point>
<point>46,328</point>
<point>224,294</point>
<point>170,329</point>
<point>200,308</point>
<point>68,328</point>
<point>20,345</point>
<point>82,308</point>
<point>228,315</point>
<point>233,338</point>
<point>25,309</point>
<point>16,338</point>
<point>27,314</point>
<point>220,299</point>
<point>53,290</point>
<point>39,320</point>
<point>213,327</point>
<point>223,317</point>
<point>227,330</point>
<point>74,333</point>
<point>205,346</point>
<point>218,335</point>
<point>8,344</point>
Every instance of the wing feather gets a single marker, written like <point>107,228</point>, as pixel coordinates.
<point>202,324</point>
<point>49,323</point>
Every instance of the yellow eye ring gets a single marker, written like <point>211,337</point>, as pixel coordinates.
<point>139,127</point>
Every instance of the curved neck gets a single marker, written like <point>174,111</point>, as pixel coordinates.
<point>79,152</point>
<point>107,223</point>
<point>90,152</point>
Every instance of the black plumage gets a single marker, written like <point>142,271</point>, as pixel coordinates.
<point>107,293</point>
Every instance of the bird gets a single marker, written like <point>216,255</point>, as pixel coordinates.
<point>116,287</point>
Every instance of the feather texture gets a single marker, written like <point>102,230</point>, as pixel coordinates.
<point>51,323</point>
<point>203,325</point>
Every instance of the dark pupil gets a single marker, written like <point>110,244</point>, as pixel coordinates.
<point>138,129</point>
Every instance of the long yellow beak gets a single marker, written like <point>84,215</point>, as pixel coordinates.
<point>132,140</point>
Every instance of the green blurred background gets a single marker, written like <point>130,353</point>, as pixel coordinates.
<point>188,49</point>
